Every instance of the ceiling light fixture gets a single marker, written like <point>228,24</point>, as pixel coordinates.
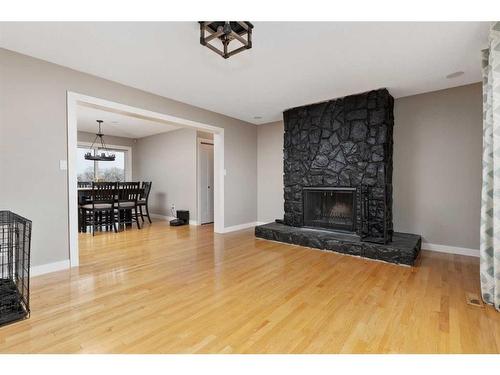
<point>455,75</point>
<point>257,117</point>
<point>223,33</point>
<point>92,153</point>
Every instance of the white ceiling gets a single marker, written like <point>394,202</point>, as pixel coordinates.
<point>117,124</point>
<point>291,63</point>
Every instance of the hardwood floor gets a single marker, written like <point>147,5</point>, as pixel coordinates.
<point>186,290</point>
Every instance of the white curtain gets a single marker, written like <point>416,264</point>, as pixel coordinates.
<point>490,195</point>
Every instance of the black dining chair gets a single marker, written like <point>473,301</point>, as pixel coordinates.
<point>144,199</point>
<point>84,197</point>
<point>84,184</point>
<point>100,211</point>
<point>128,195</point>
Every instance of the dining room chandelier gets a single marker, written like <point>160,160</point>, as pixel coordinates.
<point>102,153</point>
<point>217,35</point>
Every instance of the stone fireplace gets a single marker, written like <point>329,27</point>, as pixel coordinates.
<point>338,178</point>
<point>343,143</point>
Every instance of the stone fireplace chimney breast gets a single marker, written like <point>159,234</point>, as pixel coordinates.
<point>343,143</point>
<point>338,179</point>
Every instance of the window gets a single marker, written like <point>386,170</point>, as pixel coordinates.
<point>112,170</point>
<point>89,170</point>
<point>84,168</point>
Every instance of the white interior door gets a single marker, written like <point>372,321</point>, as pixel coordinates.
<point>206,185</point>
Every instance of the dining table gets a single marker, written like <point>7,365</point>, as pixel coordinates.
<point>85,197</point>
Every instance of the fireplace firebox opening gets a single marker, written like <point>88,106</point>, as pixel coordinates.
<point>331,208</point>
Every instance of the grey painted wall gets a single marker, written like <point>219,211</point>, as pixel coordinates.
<point>33,139</point>
<point>270,171</point>
<point>437,166</point>
<point>169,161</point>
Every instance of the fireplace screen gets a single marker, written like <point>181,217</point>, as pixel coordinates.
<point>330,208</point>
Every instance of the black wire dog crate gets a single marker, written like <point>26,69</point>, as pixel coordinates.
<point>15,244</point>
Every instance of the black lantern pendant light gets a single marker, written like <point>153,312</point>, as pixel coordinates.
<point>226,32</point>
<point>105,154</point>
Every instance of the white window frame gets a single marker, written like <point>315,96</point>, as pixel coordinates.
<point>128,157</point>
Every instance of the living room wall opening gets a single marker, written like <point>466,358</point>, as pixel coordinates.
<point>75,99</point>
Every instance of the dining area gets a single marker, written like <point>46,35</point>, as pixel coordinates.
<point>112,206</point>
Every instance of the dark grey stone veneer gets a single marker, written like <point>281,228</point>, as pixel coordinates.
<point>403,249</point>
<point>346,142</point>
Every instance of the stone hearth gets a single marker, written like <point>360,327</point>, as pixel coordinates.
<point>403,249</point>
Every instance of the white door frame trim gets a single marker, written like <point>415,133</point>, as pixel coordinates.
<point>199,141</point>
<point>74,99</point>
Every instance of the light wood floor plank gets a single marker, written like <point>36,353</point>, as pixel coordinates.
<point>186,290</point>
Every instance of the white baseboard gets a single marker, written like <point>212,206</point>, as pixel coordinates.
<point>168,218</point>
<point>161,217</point>
<point>425,245</point>
<point>65,264</point>
<point>234,228</point>
<point>450,249</point>
<point>49,267</point>
<point>436,247</point>
<point>226,229</point>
